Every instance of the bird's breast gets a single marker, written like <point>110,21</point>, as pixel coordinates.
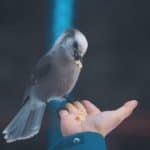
<point>69,74</point>
<point>59,81</point>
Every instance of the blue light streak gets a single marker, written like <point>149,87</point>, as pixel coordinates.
<point>63,16</point>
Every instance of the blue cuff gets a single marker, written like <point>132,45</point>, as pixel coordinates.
<point>82,141</point>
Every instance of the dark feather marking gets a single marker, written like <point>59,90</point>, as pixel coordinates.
<point>25,99</point>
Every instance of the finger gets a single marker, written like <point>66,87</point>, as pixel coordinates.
<point>126,110</point>
<point>90,107</point>
<point>71,108</point>
<point>63,113</point>
<point>79,106</point>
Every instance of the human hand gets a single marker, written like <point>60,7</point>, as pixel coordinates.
<point>84,116</point>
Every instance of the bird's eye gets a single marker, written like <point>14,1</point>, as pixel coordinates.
<point>75,45</point>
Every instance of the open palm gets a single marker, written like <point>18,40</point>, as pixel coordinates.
<point>85,116</point>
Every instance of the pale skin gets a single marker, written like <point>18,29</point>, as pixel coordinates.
<point>83,116</point>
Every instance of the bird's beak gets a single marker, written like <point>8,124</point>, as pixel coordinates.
<point>79,63</point>
<point>78,58</point>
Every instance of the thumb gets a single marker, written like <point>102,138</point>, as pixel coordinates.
<point>126,110</point>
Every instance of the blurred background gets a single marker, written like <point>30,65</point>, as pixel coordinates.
<point>116,67</point>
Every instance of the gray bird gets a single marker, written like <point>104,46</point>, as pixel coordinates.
<point>53,77</point>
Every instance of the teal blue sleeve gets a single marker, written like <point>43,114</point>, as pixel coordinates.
<point>80,141</point>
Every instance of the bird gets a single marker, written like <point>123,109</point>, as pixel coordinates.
<point>53,77</point>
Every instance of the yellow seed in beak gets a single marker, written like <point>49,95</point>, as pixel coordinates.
<point>78,62</point>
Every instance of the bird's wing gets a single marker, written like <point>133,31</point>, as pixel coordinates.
<point>41,70</point>
<point>39,73</point>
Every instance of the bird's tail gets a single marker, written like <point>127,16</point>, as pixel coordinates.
<point>26,123</point>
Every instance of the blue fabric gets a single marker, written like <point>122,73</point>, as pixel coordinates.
<point>84,140</point>
<point>54,128</point>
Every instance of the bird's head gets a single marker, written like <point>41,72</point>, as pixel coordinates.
<point>74,45</point>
